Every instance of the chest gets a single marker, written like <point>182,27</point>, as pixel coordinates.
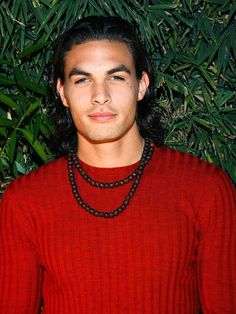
<point>153,235</point>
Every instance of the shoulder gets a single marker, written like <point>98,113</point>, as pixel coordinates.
<point>188,170</point>
<point>201,186</point>
<point>41,179</point>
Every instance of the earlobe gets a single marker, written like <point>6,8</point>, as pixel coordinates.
<point>61,92</point>
<point>143,85</point>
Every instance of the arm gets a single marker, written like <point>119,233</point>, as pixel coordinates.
<point>217,249</point>
<point>20,271</point>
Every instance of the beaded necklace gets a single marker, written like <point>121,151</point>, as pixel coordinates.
<point>135,176</point>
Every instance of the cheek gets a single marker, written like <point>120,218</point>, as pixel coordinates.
<point>133,90</point>
<point>127,92</point>
<point>76,100</point>
<point>130,86</point>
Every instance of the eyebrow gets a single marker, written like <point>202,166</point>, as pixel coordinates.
<point>119,68</point>
<point>78,71</point>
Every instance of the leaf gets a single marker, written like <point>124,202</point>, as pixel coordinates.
<point>11,147</point>
<point>20,168</point>
<point>186,21</point>
<point>6,122</point>
<point>224,97</point>
<point>40,17</point>
<point>4,61</point>
<point>208,78</point>
<point>31,108</point>
<point>8,101</point>
<point>32,49</point>
<point>157,7</point>
<point>175,84</point>
<point>3,133</point>
<point>28,84</point>
<point>232,13</point>
<point>59,10</point>
<point>1,169</point>
<point>203,122</point>
<point>35,144</point>
<point>6,81</point>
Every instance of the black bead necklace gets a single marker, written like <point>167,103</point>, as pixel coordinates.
<point>136,176</point>
<point>105,185</point>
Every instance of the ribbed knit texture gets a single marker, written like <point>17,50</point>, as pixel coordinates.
<point>173,248</point>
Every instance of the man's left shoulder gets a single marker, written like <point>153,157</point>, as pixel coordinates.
<point>187,167</point>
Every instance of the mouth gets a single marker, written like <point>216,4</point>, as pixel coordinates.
<point>102,116</point>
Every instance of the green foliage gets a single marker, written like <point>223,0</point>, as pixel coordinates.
<point>192,44</point>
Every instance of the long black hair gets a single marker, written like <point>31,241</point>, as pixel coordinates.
<point>112,28</point>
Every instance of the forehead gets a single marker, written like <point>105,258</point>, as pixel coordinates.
<point>95,54</point>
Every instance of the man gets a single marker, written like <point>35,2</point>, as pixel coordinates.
<point>120,224</point>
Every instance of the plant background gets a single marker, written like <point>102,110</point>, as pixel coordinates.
<point>193,46</point>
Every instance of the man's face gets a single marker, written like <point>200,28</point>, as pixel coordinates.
<point>101,90</point>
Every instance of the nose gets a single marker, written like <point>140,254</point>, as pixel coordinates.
<point>100,94</point>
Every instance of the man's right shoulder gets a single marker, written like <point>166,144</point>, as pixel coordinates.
<point>44,177</point>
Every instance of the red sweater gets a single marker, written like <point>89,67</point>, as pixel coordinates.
<point>172,249</point>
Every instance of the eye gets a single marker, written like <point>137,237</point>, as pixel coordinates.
<point>82,80</point>
<point>117,78</point>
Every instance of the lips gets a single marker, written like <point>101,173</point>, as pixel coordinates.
<point>102,116</point>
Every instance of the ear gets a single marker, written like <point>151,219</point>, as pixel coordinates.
<point>143,85</point>
<point>61,92</point>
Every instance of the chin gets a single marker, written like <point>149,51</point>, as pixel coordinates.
<point>96,137</point>
<point>101,140</point>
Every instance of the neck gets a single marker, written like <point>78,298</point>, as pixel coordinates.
<point>117,153</point>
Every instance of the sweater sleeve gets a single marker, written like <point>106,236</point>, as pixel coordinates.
<point>217,248</point>
<point>20,271</point>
